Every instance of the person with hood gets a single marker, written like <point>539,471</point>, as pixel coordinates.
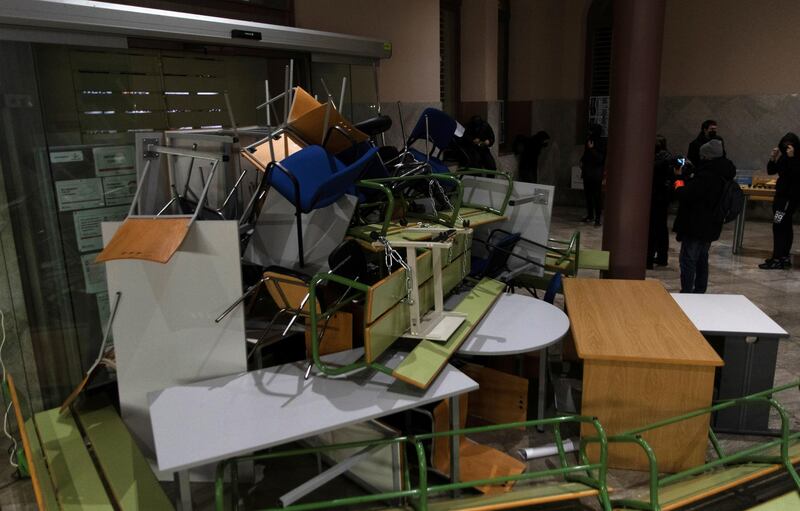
<point>708,131</point>
<point>696,223</point>
<point>658,234</point>
<point>785,162</point>
<point>478,138</point>
<point>592,168</point>
<point>528,149</point>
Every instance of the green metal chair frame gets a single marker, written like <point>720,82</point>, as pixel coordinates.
<point>752,454</point>
<point>590,474</point>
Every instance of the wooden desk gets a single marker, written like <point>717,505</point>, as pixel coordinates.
<point>644,361</point>
<point>759,193</point>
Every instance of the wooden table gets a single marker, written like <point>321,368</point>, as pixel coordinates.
<point>760,193</point>
<point>644,361</point>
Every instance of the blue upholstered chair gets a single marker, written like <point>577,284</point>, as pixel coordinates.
<point>438,129</point>
<point>312,178</point>
<point>553,287</point>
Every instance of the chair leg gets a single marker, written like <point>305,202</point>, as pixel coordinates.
<point>299,216</point>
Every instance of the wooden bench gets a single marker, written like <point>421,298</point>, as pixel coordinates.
<point>86,459</point>
<point>727,471</point>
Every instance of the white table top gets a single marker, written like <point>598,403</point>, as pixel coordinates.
<point>727,315</point>
<point>516,324</point>
<point>205,422</point>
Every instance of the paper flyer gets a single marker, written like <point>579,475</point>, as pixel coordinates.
<point>75,194</point>
<point>119,189</point>
<point>87,225</point>
<point>94,274</point>
<point>114,161</point>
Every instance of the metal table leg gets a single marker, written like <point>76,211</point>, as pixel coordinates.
<point>542,386</point>
<point>455,469</point>
<point>184,490</point>
<point>738,229</point>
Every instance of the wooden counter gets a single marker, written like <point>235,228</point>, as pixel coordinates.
<point>644,361</point>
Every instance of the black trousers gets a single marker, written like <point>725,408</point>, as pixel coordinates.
<point>658,234</point>
<point>782,232</point>
<point>593,191</point>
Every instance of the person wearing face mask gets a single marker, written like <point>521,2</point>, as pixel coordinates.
<point>785,162</point>
<point>708,132</point>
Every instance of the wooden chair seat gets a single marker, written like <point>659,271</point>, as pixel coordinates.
<point>150,239</point>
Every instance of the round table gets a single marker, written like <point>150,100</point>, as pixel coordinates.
<point>519,324</point>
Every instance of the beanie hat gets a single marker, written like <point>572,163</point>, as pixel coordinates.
<point>711,149</point>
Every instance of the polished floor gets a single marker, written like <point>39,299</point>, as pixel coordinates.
<point>776,292</point>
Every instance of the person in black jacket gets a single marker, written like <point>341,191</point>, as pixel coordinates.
<point>592,164</point>
<point>696,223</point>
<point>478,138</point>
<point>528,149</point>
<point>786,163</point>
<point>708,132</point>
<point>658,234</point>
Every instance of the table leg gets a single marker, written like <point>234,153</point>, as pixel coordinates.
<point>455,469</point>
<point>738,230</point>
<point>542,386</point>
<point>184,490</point>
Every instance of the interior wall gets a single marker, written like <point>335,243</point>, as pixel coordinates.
<point>734,63</point>
<point>546,66</point>
<point>412,26</point>
<point>479,50</point>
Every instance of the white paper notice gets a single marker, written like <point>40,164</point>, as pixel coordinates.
<point>94,274</point>
<point>66,156</point>
<point>113,161</point>
<point>79,194</point>
<point>87,225</point>
<point>119,189</point>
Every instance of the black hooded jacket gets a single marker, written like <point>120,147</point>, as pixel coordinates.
<point>699,199</point>
<point>662,179</point>
<point>788,169</point>
<point>594,158</point>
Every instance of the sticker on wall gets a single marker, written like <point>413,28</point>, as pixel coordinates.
<point>94,274</point>
<point>66,156</point>
<point>119,189</point>
<point>87,225</point>
<point>75,194</point>
<point>113,161</point>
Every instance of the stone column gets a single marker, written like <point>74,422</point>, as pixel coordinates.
<point>636,71</point>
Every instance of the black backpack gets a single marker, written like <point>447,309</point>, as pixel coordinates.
<point>730,202</point>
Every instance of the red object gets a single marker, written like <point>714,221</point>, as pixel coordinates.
<point>679,183</point>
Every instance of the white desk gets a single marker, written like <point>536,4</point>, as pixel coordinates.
<point>749,348</point>
<point>206,422</point>
<point>519,324</point>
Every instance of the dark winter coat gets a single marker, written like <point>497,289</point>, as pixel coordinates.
<point>788,169</point>
<point>699,199</point>
<point>662,178</point>
<point>693,153</point>
<point>593,160</point>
